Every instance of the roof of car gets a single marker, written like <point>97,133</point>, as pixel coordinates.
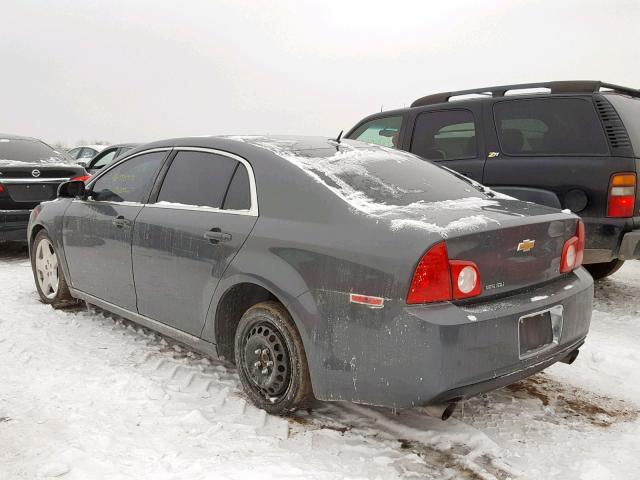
<point>10,136</point>
<point>123,145</point>
<point>556,87</point>
<point>278,144</point>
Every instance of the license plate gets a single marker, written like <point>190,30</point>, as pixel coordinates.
<point>535,332</point>
<point>32,192</point>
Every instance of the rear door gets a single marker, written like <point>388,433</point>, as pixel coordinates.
<point>198,218</point>
<point>97,230</point>
<point>452,138</point>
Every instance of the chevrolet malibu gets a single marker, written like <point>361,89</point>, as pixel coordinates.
<point>326,269</point>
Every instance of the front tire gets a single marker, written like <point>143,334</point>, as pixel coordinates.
<point>271,360</point>
<point>601,270</point>
<point>50,282</point>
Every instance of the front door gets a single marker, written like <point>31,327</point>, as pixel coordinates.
<point>97,230</point>
<point>450,138</point>
<point>187,235</point>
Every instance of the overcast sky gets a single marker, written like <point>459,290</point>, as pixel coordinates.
<point>146,70</point>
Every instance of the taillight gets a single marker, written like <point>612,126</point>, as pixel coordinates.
<point>465,278</point>
<point>622,195</point>
<point>432,278</point>
<point>438,279</point>
<point>581,242</point>
<point>573,250</point>
<point>82,178</point>
<point>1,188</point>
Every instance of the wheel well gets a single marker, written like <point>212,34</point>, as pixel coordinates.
<point>34,232</point>
<point>237,300</point>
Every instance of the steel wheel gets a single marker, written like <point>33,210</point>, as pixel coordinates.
<point>266,361</point>
<point>271,360</point>
<point>46,266</point>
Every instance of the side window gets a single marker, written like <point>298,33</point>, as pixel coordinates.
<point>87,153</point>
<point>445,135</point>
<point>381,131</point>
<point>239,193</point>
<point>198,179</point>
<point>73,153</point>
<point>549,126</point>
<point>130,181</point>
<point>104,160</point>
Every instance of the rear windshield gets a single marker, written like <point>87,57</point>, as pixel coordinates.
<point>549,126</point>
<point>629,110</point>
<point>29,151</point>
<point>377,176</point>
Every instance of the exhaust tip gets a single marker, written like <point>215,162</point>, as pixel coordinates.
<point>442,411</point>
<point>571,357</point>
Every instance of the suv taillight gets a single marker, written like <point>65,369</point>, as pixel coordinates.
<point>573,250</point>
<point>622,195</point>
<point>438,279</point>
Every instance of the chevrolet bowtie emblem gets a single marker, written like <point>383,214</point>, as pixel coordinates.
<point>526,245</point>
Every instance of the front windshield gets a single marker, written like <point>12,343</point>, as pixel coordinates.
<point>29,151</point>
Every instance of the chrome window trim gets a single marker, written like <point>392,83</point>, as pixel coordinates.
<point>107,202</point>
<point>195,208</point>
<point>9,181</point>
<point>253,193</point>
<point>107,168</point>
<point>253,208</point>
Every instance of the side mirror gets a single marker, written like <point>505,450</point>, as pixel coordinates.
<point>71,189</point>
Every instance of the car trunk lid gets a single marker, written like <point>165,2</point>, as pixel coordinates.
<point>516,256</point>
<point>24,185</point>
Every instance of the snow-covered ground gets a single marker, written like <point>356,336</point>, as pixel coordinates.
<point>84,395</point>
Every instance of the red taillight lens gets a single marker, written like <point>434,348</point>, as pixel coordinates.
<point>81,178</point>
<point>573,250</point>
<point>622,195</point>
<point>581,242</point>
<point>465,279</point>
<point>438,279</point>
<point>432,278</point>
<point>1,188</point>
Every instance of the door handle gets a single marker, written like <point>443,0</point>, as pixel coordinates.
<point>119,221</point>
<point>215,235</point>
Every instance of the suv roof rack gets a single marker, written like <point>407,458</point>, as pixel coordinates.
<point>568,86</point>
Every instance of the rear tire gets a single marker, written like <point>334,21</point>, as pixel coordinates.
<point>271,360</point>
<point>602,270</point>
<point>50,282</point>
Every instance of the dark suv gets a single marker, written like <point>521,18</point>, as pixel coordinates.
<point>30,172</point>
<point>569,144</point>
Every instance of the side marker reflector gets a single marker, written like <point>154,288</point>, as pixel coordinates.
<point>375,302</point>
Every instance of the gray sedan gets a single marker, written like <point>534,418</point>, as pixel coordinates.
<point>326,269</point>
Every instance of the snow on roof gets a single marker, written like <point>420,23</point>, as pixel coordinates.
<point>350,160</point>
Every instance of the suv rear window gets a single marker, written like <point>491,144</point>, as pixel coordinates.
<point>381,131</point>
<point>549,126</point>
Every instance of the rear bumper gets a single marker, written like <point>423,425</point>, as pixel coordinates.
<point>428,354</point>
<point>606,239</point>
<point>630,246</point>
<point>13,225</point>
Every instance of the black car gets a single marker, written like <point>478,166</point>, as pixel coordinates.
<point>567,144</point>
<point>108,155</point>
<point>30,172</point>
